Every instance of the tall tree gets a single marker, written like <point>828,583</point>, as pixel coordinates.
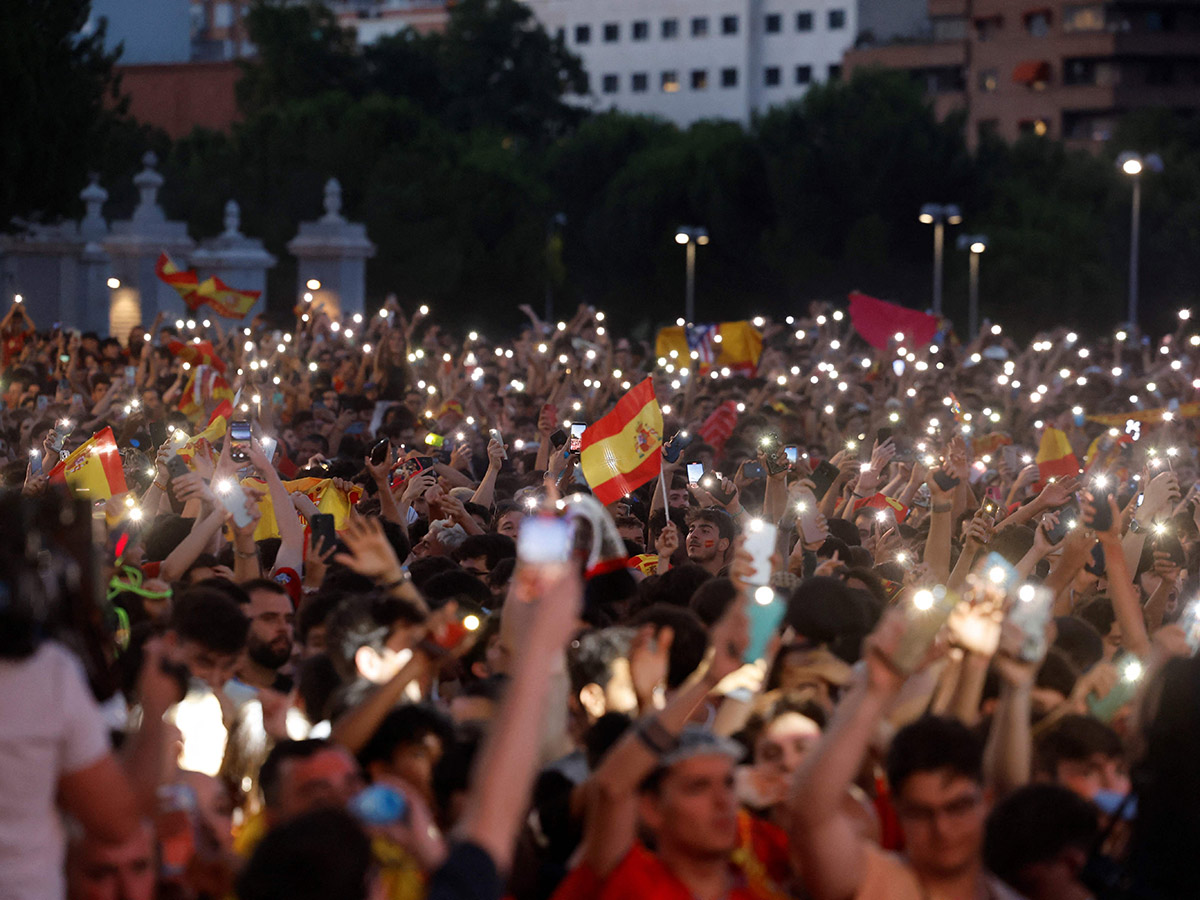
<point>60,99</point>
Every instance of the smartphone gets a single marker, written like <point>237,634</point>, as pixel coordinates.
<point>1172,547</point>
<point>1031,613</point>
<point>177,467</point>
<point>1012,456</point>
<point>760,544</point>
<point>676,445</point>
<point>558,438</point>
<point>810,524</point>
<point>496,436</point>
<point>324,535</point>
<point>925,612</point>
<point>823,477</point>
<point>35,461</point>
<point>268,446</point>
<point>765,612</point>
<point>380,451</point>
<point>435,440</point>
<point>233,498</point>
<point>577,430</point>
<point>945,480</point>
<point>130,374</point>
<point>1000,572</point>
<point>544,540</point>
<point>753,470</point>
<point>792,453</point>
<point>239,436</point>
<point>770,447</point>
<point>714,484</point>
<point>42,401</point>
<point>1103,519</point>
<point>695,471</point>
<point>1068,515</point>
<point>990,508</point>
<point>882,434</point>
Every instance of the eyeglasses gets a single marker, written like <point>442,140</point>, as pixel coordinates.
<point>919,814</point>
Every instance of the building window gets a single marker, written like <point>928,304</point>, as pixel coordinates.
<point>641,30</point>
<point>803,74</point>
<point>583,34</point>
<point>771,76</point>
<point>729,24</point>
<point>987,27</point>
<point>989,80</point>
<point>670,29</point>
<point>700,26</point>
<point>610,84</point>
<point>804,21</point>
<point>1084,18</point>
<point>612,32</point>
<point>774,23</point>
<point>670,81</point>
<point>1038,23</point>
<point>1036,127</point>
<point>699,79</point>
<point>729,78</point>
<point>949,28</point>
<point>1079,71</point>
<point>835,72</point>
<point>837,19</point>
<point>639,82</point>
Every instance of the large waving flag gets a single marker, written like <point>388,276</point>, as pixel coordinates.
<point>878,322</point>
<point>205,386</point>
<point>733,345</point>
<point>196,353</point>
<point>623,450</point>
<point>212,292</point>
<point>321,491</point>
<point>1055,458</point>
<point>202,443</point>
<point>94,471</point>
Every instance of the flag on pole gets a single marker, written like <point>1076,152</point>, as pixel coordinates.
<point>1055,458</point>
<point>878,322</point>
<point>196,353</point>
<point>623,450</point>
<point>205,386</point>
<point>212,292</point>
<point>93,471</point>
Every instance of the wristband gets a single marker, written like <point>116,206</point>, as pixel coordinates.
<point>941,507</point>
<point>240,555</point>
<point>161,487</point>
<point>392,585</point>
<point>657,739</point>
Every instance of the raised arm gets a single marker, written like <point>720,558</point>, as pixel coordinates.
<point>291,532</point>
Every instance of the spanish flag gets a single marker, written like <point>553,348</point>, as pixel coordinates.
<point>203,442</point>
<point>1055,458</point>
<point>882,503</point>
<point>733,345</point>
<point>94,471</point>
<point>623,450</point>
<point>196,353</point>
<point>321,491</point>
<point>205,387</point>
<point>213,292</point>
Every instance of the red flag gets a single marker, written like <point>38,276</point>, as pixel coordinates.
<point>878,322</point>
<point>881,502</point>
<point>718,427</point>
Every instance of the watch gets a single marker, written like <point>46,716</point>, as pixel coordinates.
<point>1135,526</point>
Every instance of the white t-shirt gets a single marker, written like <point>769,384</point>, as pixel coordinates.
<point>50,726</point>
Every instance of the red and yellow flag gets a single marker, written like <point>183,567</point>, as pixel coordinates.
<point>202,443</point>
<point>882,502</point>
<point>321,491</point>
<point>733,345</point>
<point>94,471</point>
<point>1055,458</point>
<point>205,386</point>
<point>196,353</point>
<point>212,292</point>
<point>623,450</point>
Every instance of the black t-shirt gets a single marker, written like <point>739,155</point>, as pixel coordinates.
<point>469,873</point>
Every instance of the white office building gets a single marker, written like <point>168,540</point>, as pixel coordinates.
<point>686,60</point>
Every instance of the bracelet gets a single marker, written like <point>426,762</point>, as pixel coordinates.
<point>657,739</point>
<point>161,487</point>
<point>392,585</point>
<point>861,496</point>
<point>941,507</point>
<point>240,555</point>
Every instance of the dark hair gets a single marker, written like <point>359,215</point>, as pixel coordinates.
<point>271,771</point>
<point>163,534</point>
<point>933,744</point>
<point>1079,640</point>
<point>712,598</point>
<point>689,644</point>
<point>1035,824</point>
<point>1098,613</point>
<point>209,617</point>
<point>264,584</point>
<point>1012,542</point>
<point>494,547</point>
<point>458,585</point>
<point>421,570</point>
<point>1076,739</point>
<point>318,855</point>
<point>676,587</point>
<point>714,516</point>
<point>845,531</point>
<point>316,682</point>
<point>407,724</point>
<point>591,654</point>
<point>313,612</point>
<point>365,621</point>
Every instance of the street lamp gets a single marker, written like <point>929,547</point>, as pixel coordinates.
<point>690,236</point>
<point>939,216</point>
<point>975,244</point>
<point>1133,165</point>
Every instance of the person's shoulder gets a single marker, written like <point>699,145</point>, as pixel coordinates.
<point>998,890</point>
<point>887,876</point>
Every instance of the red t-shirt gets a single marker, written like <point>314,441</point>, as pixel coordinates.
<point>758,865</point>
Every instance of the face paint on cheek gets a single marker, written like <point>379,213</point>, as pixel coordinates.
<point>708,544</point>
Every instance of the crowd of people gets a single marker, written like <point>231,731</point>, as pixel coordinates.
<point>415,657</point>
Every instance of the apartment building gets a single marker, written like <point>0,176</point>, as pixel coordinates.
<point>686,60</point>
<point>1061,70</point>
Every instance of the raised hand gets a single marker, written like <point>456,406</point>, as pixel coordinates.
<point>370,553</point>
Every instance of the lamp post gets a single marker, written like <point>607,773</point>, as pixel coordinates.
<point>939,216</point>
<point>975,244</point>
<point>1133,164</point>
<point>690,236</point>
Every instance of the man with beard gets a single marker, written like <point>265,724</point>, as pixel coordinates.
<point>269,642</point>
<point>710,535</point>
